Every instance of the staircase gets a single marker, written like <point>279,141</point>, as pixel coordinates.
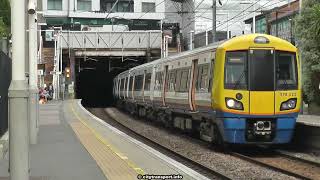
<point>48,61</point>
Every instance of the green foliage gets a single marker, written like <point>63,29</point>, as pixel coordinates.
<point>3,29</point>
<point>5,19</point>
<point>307,28</point>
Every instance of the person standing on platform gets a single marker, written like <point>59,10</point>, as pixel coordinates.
<point>50,89</point>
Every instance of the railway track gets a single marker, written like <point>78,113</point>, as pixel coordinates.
<point>290,165</point>
<point>208,172</point>
<point>263,157</point>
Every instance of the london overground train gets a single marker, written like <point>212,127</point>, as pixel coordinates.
<point>245,90</point>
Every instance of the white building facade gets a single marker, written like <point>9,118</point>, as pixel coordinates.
<point>100,12</point>
<point>128,9</point>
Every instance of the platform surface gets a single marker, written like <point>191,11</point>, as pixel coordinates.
<point>309,120</point>
<point>74,144</point>
<point>58,154</point>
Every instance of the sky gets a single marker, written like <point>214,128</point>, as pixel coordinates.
<point>231,9</point>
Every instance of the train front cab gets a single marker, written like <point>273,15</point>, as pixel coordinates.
<point>257,90</point>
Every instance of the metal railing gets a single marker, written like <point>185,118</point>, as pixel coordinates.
<point>111,40</point>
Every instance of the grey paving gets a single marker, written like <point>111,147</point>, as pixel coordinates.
<point>309,120</point>
<point>58,155</point>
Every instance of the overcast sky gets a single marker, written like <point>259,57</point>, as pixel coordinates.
<point>231,8</point>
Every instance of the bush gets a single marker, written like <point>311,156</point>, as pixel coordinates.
<point>307,29</point>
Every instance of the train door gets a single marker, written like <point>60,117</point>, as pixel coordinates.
<point>124,88</point>
<point>133,84</point>
<point>164,85</point>
<point>261,83</point>
<point>152,84</point>
<point>192,89</point>
<point>143,84</point>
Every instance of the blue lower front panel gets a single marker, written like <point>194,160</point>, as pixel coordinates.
<point>233,130</point>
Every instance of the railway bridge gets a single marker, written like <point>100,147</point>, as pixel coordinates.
<point>97,55</point>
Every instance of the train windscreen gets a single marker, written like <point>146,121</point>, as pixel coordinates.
<point>286,71</point>
<point>261,70</point>
<point>236,70</point>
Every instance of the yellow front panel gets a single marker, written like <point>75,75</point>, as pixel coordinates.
<point>282,96</point>
<point>232,94</point>
<point>261,103</point>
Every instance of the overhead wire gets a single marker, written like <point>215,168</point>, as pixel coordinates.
<point>224,23</point>
<point>241,15</point>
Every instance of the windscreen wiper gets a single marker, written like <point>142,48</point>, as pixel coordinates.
<point>240,79</point>
<point>286,86</point>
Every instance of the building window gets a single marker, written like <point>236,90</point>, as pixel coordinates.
<point>121,6</point>
<point>148,7</point>
<point>84,5</point>
<point>54,5</point>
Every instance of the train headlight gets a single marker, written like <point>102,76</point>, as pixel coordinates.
<point>234,104</point>
<point>289,104</point>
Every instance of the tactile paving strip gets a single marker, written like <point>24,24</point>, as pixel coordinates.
<point>113,166</point>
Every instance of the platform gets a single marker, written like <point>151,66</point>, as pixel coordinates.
<point>309,120</point>
<point>307,133</point>
<point>74,144</point>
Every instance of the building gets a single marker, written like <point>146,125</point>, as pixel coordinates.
<point>261,23</point>
<point>277,21</point>
<point>281,21</point>
<point>200,38</point>
<point>137,14</point>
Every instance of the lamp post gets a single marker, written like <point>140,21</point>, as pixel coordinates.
<point>254,14</point>
<point>191,40</point>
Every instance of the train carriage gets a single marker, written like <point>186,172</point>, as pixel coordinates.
<point>245,90</point>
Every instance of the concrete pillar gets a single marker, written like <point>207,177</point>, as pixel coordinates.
<point>33,89</point>
<point>18,97</point>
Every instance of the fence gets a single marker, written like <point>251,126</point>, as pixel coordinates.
<point>5,79</point>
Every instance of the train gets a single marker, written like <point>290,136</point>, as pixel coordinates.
<point>244,90</point>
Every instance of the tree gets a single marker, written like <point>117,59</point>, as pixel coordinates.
<point>307,29</point>
<point>5,18</point>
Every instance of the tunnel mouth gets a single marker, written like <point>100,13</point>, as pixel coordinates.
<point>94,79</point>
<point>94,83</point>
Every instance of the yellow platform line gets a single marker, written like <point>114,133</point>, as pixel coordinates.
<point>108,145</point>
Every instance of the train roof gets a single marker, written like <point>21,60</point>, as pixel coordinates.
<point>182,54</point>
<point>236,43</point>
<point>250,40</point>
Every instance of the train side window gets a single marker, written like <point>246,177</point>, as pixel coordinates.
<point>127,82</point>
<point>147,82</point>
<point>184,83</point>
<point>122,84</point>
<point>171,81</point>
<point>158,83</point>
<point>202,81</point>
<point>178,80</point>
<point>138,82</point>
<point>130,83</point>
